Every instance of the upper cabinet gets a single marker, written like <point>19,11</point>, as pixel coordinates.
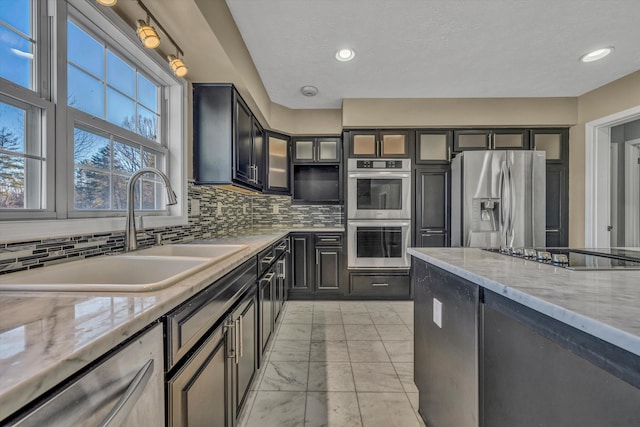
<point>378,143</point>
<point>490,139</point>
<point>228,141</point>
<point>433,146</point>
<point>554,142</point>
<point>277,166</point>
<point>320,149</point>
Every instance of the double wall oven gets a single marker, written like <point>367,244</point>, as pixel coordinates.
<point>378,213</point>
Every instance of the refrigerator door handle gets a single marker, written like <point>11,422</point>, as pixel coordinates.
<point>504,201</point>
<point>512,206</point>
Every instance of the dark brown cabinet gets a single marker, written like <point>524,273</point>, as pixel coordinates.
<point>490,139</point>
<point>278,166</point>
<point>244,319</point>
<point>316,149</point>
<point>378,143</point>
<point>433,146</point>
<point>318,265</point>
<point>266,286</point>
<point>228,141</point>
<point>432,207</point>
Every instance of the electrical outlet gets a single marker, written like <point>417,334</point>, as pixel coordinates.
<point>275,209</point>
<point>244,209</point>
<point>219,208</point>
<point>437,312</point>
<point>195,207</point>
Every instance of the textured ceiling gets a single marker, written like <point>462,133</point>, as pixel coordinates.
<point>436,48</point>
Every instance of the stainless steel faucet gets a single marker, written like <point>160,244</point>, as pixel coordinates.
<point>130,238</point>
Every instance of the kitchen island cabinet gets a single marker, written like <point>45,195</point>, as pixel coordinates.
<point>551,346</point>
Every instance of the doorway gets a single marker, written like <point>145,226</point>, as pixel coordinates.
<point>612,190</point>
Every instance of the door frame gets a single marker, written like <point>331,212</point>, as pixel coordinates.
<point>597,214</point>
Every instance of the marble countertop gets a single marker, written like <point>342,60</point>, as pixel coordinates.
<point>47,336</point>
<point>604,303</point>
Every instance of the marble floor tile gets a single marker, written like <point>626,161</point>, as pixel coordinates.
<point>327,317</point>
<point>377,306</point>
<point>322,332</point>
<point>277,408</point>
<point>376,377</point>
<point>294,331</point>
<point>333,409</point>
<point>413,398</point>
<point>298,317</point>
<point>367,351</point>
<point>299,307</point>
<point>285,376</point>
<point>394,332</point>
<point>329,351</point>
<point>290,351</point>
<point>405,374</point>
<point>326,306</point>
<point>350,318</point>
<point>399,351</point>
<point>361,332</point>
<point>386,410</point>
<point>330,376</point>
<point>353,307</point>
<point>248,404</point>
<point>386,318</point>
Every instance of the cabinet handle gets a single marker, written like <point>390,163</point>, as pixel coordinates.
<point>267,259</point>
<point>449,154</point>
<point>379,284</point>
<point>282,247</point>
<point>231,325</point>
<point>328,240</point>
<point>117,415</point>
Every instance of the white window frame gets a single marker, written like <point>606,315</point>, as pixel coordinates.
<point>59,218</point>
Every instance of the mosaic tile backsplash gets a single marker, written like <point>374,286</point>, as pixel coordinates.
<point>222,213</point>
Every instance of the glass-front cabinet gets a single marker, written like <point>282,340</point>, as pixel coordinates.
<point>490,139</point>
<point>373,143</point>
<point>433,146</point>
<point>552,141</point>
<point>319,149</point>
<point>278,169</point>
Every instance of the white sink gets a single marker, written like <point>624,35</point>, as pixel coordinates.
<point>143,271</point>
<point>198,251</point>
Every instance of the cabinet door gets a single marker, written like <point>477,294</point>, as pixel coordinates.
<point>300,263</point>
<point>432,206</point>
<point>433,147</point>
<point>394,144</point>
<point>303,149</point>
<point>363,144</point>
<point>199,395</point>
<point>554,142</point>
<point>510,139</point>
<point>471,140</point>
<point>266,309</point>
<point>245,352</point>
<point>328,150</point>
<point>328,269</point>
<point>257,155</point>
<point>556,196</point>
<point>243,143</point>
<point>277,179</point>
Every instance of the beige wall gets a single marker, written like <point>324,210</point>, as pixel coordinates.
<point>614,97</point>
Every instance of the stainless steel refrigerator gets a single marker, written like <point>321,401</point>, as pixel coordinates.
<point>498,199</point>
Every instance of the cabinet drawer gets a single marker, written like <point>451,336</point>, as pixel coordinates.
<point>380,285</point>
<point>333,239</point>
<point>265,259</point>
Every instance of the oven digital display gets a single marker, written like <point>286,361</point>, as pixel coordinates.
<point>378,164</point>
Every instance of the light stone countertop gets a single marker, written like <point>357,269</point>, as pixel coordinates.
<point>47,336</point>
<point>604,304</point>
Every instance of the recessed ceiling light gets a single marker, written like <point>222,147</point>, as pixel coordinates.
<point>596,54</point>
<point>345,55</point>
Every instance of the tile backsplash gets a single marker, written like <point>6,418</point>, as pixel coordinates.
<point>221,213</point>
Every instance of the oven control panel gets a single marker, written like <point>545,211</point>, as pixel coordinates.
<point>380,164</point>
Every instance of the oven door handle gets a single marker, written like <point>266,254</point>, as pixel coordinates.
<point>375,223</point>
<point>380,175</point>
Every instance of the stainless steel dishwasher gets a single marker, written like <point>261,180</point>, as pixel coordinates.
<point>126,389</point>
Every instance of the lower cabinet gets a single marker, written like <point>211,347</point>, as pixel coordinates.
<point>432,206</point>
<point>373,284</point>
<point>318,266</point>
<point>266,286</point>
<point>538,372</point>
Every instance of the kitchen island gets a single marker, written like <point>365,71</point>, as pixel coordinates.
<point>502,341</point>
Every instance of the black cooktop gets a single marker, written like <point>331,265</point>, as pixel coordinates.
<point>578,259</point>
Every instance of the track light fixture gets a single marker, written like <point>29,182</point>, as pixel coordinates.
<point>147,34</point>
<point>177,66</point>
<point>107,2</point>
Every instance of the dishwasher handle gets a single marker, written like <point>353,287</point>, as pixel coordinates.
<point>131,395</point>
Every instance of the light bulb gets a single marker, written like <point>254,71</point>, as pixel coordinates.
<point>148,35</point>
<point>177,66</point>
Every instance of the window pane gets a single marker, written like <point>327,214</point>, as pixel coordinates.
<point>91,190</point>
<point>120,75</point>
<point>85,51</point>
<point>12,184</point>
<point>120,193</point>
<point>12,128</point>
<point>17,13</point>
<point>121,110</point>
<point>147,124</point>
<point>17,57</point>
<point>150,159</point>
<point>91,149</point>
<point>147,93</point>
<point>151,195</point>
<point>85,92</point>
<point>126,158</point>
